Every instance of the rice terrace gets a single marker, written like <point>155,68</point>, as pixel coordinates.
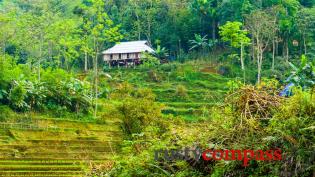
<point>157,88</point>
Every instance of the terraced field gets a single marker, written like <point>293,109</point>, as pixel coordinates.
<point>39,146</point>
<point>51,147</point>
<point>202,87</point>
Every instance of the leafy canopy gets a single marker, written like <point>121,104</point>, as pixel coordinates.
<point>231,32</point>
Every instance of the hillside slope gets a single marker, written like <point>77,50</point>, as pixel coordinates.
<point>187,90</point>
<point>34,146</point>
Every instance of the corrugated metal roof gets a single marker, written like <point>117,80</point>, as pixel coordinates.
<point>129,47</point>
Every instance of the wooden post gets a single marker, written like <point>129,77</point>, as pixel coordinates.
<point>109,64</point>
<point>134,64</point>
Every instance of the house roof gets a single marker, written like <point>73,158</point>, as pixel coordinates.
<point>130,47</point>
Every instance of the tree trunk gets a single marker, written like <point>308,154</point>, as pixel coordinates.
<point>40,55</point>
<point>287,52</point>
<point>242,62</point>
<point>96,87</point>
<point>259,59</point>
<point>213,29</point>
<point>259,65</point>
<point>258,68</point>
<point>273,54</point>
<point>139,27</point>
<point>85,61</point>
<point>96,76</point>
<point>304,43</point>
<point>242,59</point>
<point>277,48</point>
<point>149,29</point>
<point>253,50</point>
<point>283,49</point>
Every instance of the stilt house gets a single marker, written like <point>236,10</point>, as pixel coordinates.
<point>126,53</point>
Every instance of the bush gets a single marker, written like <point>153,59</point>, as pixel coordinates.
<point>17,96</point>
<point>138,111</point>
<point>56,91</point>
<point>181,91</point>
<point>154,75</point>
<point>149,61</point>
<point>168,67</point>
<point>225,70</point>
<point>5,112</point>
<point>122,91</point>
<point>74,94</point>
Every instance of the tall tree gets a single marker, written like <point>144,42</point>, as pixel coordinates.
<point>261,25</point>
<point>103,30</point>
<point>207,9</point>
<point>233,33</point>
<point>286,23</point>
<point>6,32</point>
<point>306,25</point>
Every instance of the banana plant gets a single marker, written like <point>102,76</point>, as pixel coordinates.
<point>199,42</point>
<point>161,53</point>
<point>304,75</point>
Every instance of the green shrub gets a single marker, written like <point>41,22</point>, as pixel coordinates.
<point>122,91</point>
<point>304,75</point>
<point>138,111</point>
<point>17,96</point>
<point>149,61</point>
<point>154,76</point>
<point>168,67</point>
<point>181,91</point>
<point>74,94</point>
<point>225,71</point>
<point>5,112</point>
<point>54,92</point>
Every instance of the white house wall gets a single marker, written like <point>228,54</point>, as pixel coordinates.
<point>107,57</point>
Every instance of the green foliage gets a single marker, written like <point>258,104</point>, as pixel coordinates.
<point>290,129</point>
<point>5,113</point>
<point>57,90</point>
<point>161,53</point>
<point>17,96</point>
<point>39,40</point>
<point>138,110</point>
<point>202,43</point>
<point>138,113</point>
<point>199,42</point>
<point>304,75</point>
<point>154,75</point>
<point>231,32</point>
<point>26,95</point>
<point>181,91</point>
<point>149,61</point>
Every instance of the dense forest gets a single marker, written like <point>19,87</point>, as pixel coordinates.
<point>63,34</point>
<point>225,74</point>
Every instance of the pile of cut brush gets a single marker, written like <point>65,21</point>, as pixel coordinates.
<point>254,102</point>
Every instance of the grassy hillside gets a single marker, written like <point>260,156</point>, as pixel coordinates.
<point>34,144</point>
<point>39,144</point>
<point>187,90</point>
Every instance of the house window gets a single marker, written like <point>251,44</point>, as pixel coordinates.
<point>119,56</point>
<point>111,56</point>
<point>128,56</point>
